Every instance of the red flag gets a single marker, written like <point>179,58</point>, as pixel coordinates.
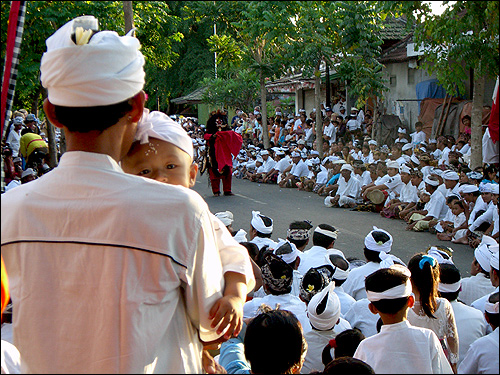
<point>493,125</point>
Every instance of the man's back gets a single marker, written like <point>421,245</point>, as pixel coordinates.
<point>98,283</point>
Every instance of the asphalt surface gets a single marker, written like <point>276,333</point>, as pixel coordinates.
<point>287,205</point>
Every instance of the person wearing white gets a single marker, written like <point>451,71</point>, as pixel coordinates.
<point>324,237</point>
<point>349,188</point>
<point>378,246</point>
<point>323,312</point>
<point>482,356</point>
<point>360,316</point>
<point>257,225</point>
<point>479,284</point>
<point>14,136</point>
<point>119,265</point>
<point>480,303</point>
<point>470,322</point>
<point>490,149</point>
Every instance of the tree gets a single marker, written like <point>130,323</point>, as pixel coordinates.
<point>344,34</point>
<point>462,39</point>
<point>255,31</point>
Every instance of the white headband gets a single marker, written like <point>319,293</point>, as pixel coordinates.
<point>106,70</point>
<point>427,180</point>
<point>494,261</point>
<point>438,254</point>
<point>491,308</point>
<point>449,288</point>
<point>326,232</point>
<point>340,274</point>
<point>401,130</point>
<point>483,256</point>
<point>400,291</point>
<point>226,217</point>
<point>259,225</point>
<point>289,257</point>
<point>158,125</point>
<point>379,246</point>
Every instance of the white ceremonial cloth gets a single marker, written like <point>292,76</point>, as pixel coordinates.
<point>408,193</point>
<point>10,359</point>
<point>350,189</point>
<point>471,325</point>
<point>234,257</point>
<point>482,356</point>
<point>360,316</point>
<point>475,287</point>
<point>314,257</point>
<point>436,207</point>
<point>355,282</point>
<point>263,241</point>
<point>132,291</point>
<point>316,342</point>
<point>401,348</point>
<point>300,169</point>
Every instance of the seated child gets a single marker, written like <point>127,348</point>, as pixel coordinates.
<point>163,151</point>
<point>399,347</point>
<point>453,233</point>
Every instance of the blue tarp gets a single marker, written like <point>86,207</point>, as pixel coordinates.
<point>429,89</point>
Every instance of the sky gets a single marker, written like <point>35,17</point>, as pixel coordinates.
<point>437,6</point>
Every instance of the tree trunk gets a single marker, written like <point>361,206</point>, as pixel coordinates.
<point>328,95</point>
<point>317,100</point>
<point>375,117</point>
<point>476,159</point>
<point>34,103</point>
<point>51,136</point>
<point>263,105</point>
<point>128,15</point>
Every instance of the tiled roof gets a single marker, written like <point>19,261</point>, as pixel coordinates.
<point>191,98</point>
<point>394,28</point>
<point>396,53</point>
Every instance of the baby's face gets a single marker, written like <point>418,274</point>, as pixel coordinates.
<point>161,161</point>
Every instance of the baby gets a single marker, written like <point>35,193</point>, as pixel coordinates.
<point>163,151</point>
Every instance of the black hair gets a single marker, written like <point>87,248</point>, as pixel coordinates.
<point>274,342</point>
<point>451,198</point>
<point>346,343</point>
<point>253,250</point>
<point>320,239</point>
<point>493,319</point>
<point>449,274</point>
<point>340,262</point>
<point>426,280</point>
<point>267,222</point>
<point>299,225</point>
<point>382,280</point>
<point>86,119</point>
<point>348,365</point>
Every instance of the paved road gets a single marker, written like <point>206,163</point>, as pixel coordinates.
<point>287,205</point>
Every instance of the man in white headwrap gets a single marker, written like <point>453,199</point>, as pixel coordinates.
<point>434,209</point>
<point>348,192</point>
<point>470,322</point>
<point>324,312</point>
<point>494,275</point>
<point>378,245</point>
<point>479,283</point>
<point>482,356</point>
<point>106,237</point>
<point>261,229</point>
<point>401,136</point>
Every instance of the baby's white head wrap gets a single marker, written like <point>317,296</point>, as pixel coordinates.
<point>259,225</point>
<point>105,70</point>
<point>324,308</point>
<point>158,125</point>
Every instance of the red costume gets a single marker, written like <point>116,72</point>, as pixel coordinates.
<point>223,145</point>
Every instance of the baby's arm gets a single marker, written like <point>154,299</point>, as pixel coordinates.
<point>228,310</point>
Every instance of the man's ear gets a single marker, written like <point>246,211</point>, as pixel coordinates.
<point>137,102</point>
<point>372,308</point>
<point>411,301</point>
<point>50,112</point>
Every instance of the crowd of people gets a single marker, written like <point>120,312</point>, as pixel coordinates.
<point>113,264</point>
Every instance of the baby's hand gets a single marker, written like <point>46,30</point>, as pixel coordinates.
<point>229,311</point>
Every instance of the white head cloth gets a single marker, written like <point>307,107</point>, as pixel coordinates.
<point>287,257</point>
<point>372,142</point>
<point>158,125</point>
<point>468,188</point>
<point>483,255</point>
<point>415,159</point>
<point>347,167</point>
<point>491,308</point>
<point>327,232</point>
<point>494,188</point>
<point>449,288</point>
<point>240,236</point>
<point>427,180</point>
<point>259,225</point>
<point>407,147</point>
<point>393,164</point>
<point>439,255</point>
<point>107,70</point>
<point>399,291</point>
<point>402,130</point>
<point>404,169</point>
<point>379,246</point>
<point>494,260</point>
<point>226,217</point>
<point>324,314</point>
<point>387,260</point>
<point>450,175</point>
